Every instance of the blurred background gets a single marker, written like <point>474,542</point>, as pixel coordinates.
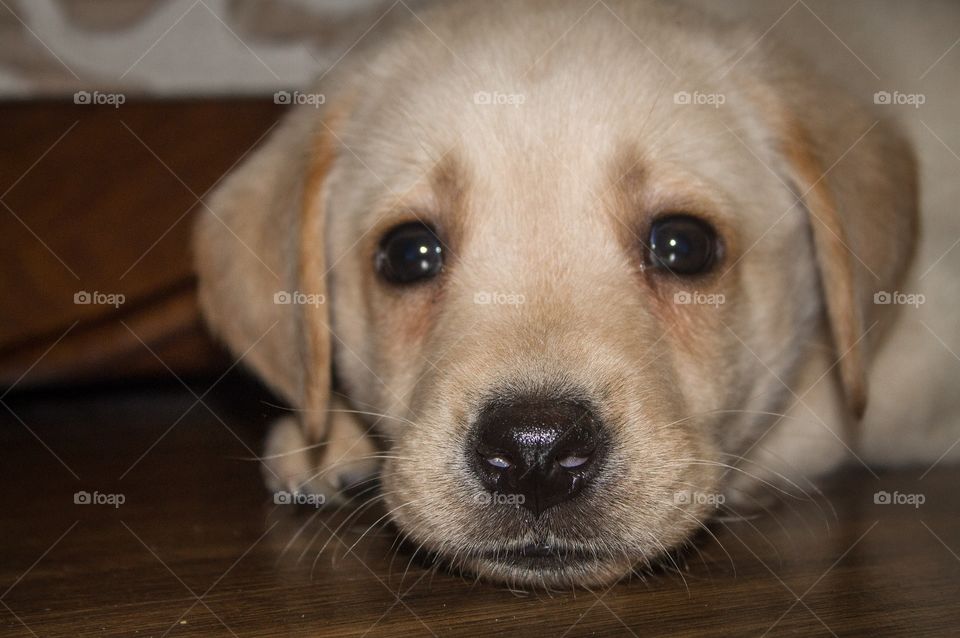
<point>175,47</point>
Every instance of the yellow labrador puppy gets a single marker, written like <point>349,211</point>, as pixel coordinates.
<point>580,275</point>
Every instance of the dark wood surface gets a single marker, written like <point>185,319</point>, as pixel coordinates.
<point>199,548</point>
<point>197,524</point>
<point>100,199</point>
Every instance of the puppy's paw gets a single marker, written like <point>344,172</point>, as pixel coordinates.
<point>343,460</point>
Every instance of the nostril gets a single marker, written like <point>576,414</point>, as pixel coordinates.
<point>498,461</point>
<point>545,450</point>
<point>573,462</point>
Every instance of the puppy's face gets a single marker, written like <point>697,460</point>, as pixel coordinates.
<point>555,328</point>
<point>573,306</point>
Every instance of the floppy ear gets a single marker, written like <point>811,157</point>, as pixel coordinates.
<point>257,242</point>
<point>857,181</point>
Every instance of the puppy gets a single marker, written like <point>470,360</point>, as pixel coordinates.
<point>573,295</point>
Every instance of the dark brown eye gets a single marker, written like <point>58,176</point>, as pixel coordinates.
<point>409,254</point>
<point>683,245</point>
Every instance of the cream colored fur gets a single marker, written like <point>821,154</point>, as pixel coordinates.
<point>546,200</point>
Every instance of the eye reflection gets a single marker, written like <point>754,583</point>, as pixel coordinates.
<point>683,245</point>
<point>409,253</point>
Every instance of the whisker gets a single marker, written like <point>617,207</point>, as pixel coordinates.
<point>705,528</point>
<point>417,500</point>
<point>379,415</point>
<point>744,472</point>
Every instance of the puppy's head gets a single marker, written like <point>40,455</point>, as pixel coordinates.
<point>573,295</point>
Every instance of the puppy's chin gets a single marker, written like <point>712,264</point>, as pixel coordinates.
<point>557,565</point>
<point>543,572</point>
<point>532,567</point>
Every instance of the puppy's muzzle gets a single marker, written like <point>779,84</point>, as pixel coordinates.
<point>542,453</point>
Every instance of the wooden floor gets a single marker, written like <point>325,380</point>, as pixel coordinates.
<point>197,546</point>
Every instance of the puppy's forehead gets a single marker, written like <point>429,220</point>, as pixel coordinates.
<point>562,160</point>
<point>528,127</point>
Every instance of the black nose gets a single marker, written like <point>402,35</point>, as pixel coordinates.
<point>540,452</point>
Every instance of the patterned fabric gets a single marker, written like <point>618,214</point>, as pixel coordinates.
<point>177,47</point>
<point>257,47</point>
